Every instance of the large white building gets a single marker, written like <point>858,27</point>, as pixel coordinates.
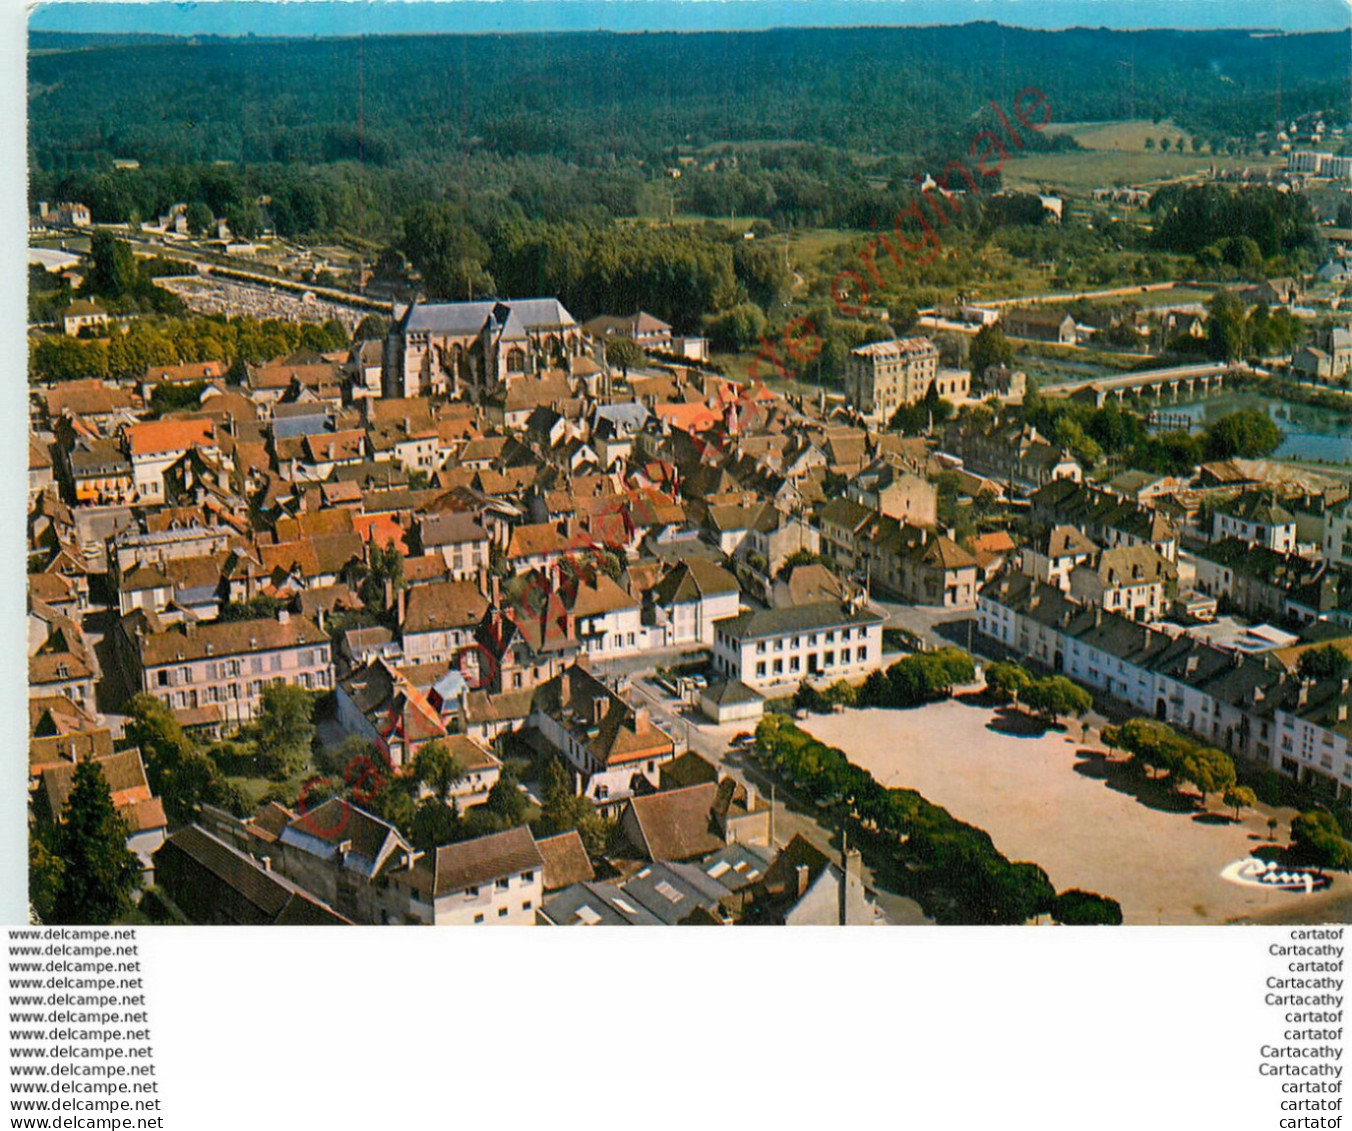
<point>823,641</point>
<point>1247,705</point>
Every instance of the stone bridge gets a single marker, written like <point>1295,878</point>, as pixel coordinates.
<point>1180,382</point>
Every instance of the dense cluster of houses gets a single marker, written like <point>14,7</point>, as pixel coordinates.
<point>549,513</point>
<point>455,532</point>
<point>1193,601</point>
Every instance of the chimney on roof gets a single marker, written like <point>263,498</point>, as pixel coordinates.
<point>399,605</point>
<point>640,719</point>
<point>266,863</point>
<point>801,875</point>
<point>851,869</point>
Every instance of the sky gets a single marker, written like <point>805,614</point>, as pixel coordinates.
<point>385,17</point>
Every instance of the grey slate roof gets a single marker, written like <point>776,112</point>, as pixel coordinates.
<point>761,623</point>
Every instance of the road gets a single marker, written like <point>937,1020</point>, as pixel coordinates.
<point>792,816</point>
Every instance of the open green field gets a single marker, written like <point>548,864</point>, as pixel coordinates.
<point>1127,135</point>
<point>1078,173</point>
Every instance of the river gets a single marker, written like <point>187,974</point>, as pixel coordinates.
<point>1310,432</point>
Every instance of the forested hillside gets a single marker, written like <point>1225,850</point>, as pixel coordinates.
<point>590,97</point>
<point>347,133</point>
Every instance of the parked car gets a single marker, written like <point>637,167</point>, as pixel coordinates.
<point>746,738</point>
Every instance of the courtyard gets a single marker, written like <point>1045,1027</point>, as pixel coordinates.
<point>1047,797</point>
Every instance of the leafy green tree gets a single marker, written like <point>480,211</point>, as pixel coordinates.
<point>1239,797</point>
<point>254,609</point>
<point>1056,696</point>
<point>1016,892</point>
<point>563,809</point>
<point>435,823</point>
<point>1227,330</point>
<point>113,272</point>
<point>353,752</point>
<point>1153,744</point>
<point>435,767</point>
<point>99,873</point>
<point>1245,434</point>
<point>1209,769</point>
<point>1007,681</point>
<point>1328,662</point>
<point>283,729</point>
<point>990,348</point>
<point>45,871</point>
<point>394,803</point>
<point>1317,839</point>
<point>798,558</point>
<point>506,801</point>
<point>245,220</point>
<point>446,249</point>
<point>384,577</point>
<point>905,315</point>
<point>56,357</point>
<point>372,328</point>
<point>1076,908</point>
<point>182,776</point>
<point>199,218</point>
<point>624,353</point>
<point>739,328</point>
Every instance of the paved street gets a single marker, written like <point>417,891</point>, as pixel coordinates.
<point>934,624</point>
<point>792,818</point>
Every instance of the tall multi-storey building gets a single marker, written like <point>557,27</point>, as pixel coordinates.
<point>883,376</point>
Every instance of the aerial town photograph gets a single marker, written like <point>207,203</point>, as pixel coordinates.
<point>819,475</point>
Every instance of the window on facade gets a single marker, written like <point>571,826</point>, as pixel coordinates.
<point>502,913</point>
<point>760,668</point>
<point>479,918</point>
<point>504,883</point>
<point>471,893</point>
<point>525,906</point>
<point>162,679</point>
<point>527,877</point>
